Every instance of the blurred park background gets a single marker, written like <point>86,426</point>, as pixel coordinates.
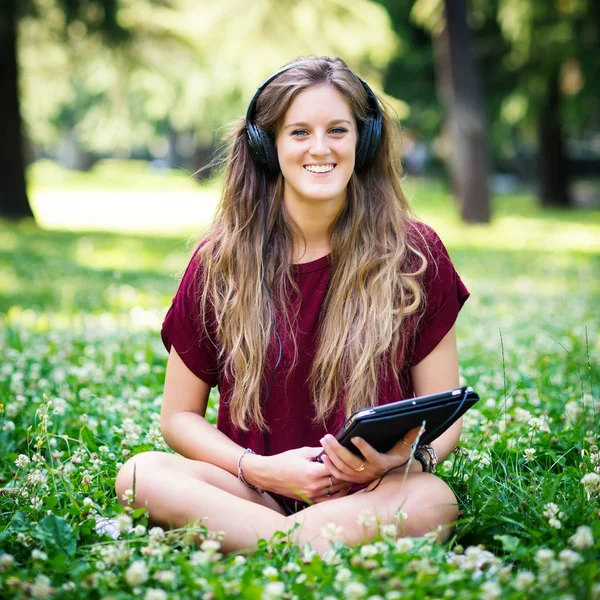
<point>113,112</point>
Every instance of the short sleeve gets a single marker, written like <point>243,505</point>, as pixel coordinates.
<point>184,329</point>
<point>445,294</point>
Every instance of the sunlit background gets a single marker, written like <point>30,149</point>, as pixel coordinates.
<point>123,107</point>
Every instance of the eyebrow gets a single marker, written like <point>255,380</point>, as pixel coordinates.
<point>303,124</point>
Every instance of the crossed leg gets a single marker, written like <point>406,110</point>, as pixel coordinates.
<point>177,491</point>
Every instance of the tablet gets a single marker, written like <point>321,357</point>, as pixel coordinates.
<point>383,426</point>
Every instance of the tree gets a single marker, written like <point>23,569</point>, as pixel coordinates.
<point>467,117</point>
<point>552,52</point>
<point>99,15</point>
<point>13,193</point>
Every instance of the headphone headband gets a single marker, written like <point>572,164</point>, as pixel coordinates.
<point>261,145</point>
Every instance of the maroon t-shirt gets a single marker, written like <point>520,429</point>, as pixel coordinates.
<point>289,411</point>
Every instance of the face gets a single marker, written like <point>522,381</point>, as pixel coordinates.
<point>316,147</point>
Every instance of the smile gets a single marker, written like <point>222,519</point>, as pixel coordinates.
<point>319,168</point>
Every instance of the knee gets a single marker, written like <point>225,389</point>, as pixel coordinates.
<point>431,507</point>
<point>137,467</point>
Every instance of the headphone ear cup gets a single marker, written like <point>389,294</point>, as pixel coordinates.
<point>271,163</point>
<point>364,144</point>
<point>255,142</point>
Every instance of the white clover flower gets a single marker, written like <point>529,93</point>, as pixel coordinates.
<point>38,555</point>
<point>544,556</point>
<point>490,590</point>
<point>37,477</point>
<point>41,587</point>
<point>401,515</point>
<point>355,590</point>
<point>524,580</point>
<point>273,590</point>
<point>156,533</point>
<point>550,510</point>
<point>155,594</point>
<point>239,560</point>
<point>591,482</point>
<point>139,530</point>
<point>583,537</point>
<point>124,523</point>
<point>555,523</point>
<point>393,595</point>
<point>343,575</point>
<point>291,567</point>
<point>270,572</point>
<point>404,545</point>
<point>210,546</point>
<point>331,557</point>
<point>127,496</point>
<point>529,454</point>
<point>368,550</point>
<point>538,424</point>
<point>569,558</point>
<point>307,553</point>
<point>167,577</point>
<point>522,415</point>
<point>137,573</point>
<point>389,531</point>
<point>88,502</point>
<point>22,461</point>
<point>332,531</point>
<point>6,561</point>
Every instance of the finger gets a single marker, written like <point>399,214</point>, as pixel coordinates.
<point>412,435</point>
<point>342,457</point>
<point>335,472</point>
<point>371,455</point>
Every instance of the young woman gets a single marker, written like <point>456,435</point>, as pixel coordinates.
<point>314,294</point>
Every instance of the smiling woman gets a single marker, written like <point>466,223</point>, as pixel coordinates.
<point>314,294</point>
<point>316,150</point>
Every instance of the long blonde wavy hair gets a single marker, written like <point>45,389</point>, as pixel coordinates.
<point>375,286</point>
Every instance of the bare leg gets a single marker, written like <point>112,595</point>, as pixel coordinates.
<point>427,501</point>
<point>177,491</point>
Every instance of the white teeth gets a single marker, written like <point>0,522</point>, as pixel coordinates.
<point>319,168</point>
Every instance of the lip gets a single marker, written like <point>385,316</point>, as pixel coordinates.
<point>320,165</point>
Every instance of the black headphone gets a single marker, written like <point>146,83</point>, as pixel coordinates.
<point>262,147</point>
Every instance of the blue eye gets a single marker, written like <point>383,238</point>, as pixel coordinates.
<point>338,131</point>
<point>299,132</point>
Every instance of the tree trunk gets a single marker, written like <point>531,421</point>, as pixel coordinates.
<point>14,203</point>
<point>553,166</point>
<point>443,86</point>
<point>470,143</point>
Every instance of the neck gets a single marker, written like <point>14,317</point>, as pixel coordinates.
<point>314,220</point>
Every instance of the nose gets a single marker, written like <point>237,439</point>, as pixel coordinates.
<point>320,145</point>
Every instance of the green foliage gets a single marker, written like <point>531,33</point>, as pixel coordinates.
<point>186,65</point>
<point>80,392</point>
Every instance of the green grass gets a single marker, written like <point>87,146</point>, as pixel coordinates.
<point>80,390</point>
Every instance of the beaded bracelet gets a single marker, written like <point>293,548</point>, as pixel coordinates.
<point>241,473</point>
<point>432,456</point>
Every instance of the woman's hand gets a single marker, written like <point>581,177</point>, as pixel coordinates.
<point>294,474</point>
<point>343,465</point>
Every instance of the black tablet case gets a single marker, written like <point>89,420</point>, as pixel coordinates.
<point>383,426</point>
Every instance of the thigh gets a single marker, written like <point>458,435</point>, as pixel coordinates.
<point>417,503</point>
<point>149,466</point>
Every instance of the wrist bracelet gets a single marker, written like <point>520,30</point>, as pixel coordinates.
<point>433,459</point>
<point>241,473</point>
<point>424,462</point>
